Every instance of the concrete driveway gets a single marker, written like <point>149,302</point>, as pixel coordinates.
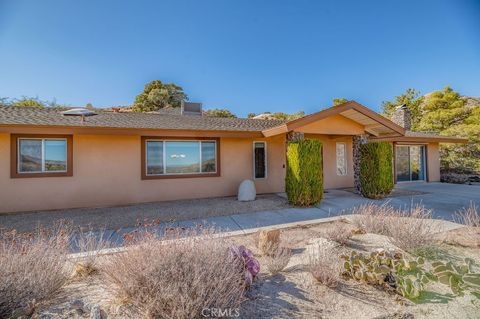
<point>444,199</point>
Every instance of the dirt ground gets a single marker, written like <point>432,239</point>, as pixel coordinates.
<point>127,216</point>
<point>295,294</point>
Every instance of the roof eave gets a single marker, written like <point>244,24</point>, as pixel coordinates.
<point>419,139</point>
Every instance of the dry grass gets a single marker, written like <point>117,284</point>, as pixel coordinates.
<point>469,216</point>
<point>408,228</point>
<point>177,278</point>
<point>277,259</point>
<point>339,232</point>
<point>33,268</point>
<point>89,243</point>
<point>324,266</point>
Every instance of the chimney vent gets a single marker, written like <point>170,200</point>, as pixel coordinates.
<point>190,108</point>
<point>402,116</point>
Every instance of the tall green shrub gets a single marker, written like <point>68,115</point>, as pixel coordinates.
<point>304,179</point>
<point>376,169</point>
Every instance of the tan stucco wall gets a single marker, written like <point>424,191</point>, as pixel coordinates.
<point>433,162</point>
<point>336,124</point>
<point>330,177</point>
<point>106,171</point>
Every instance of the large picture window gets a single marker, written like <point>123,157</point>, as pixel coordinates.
<point>40,156</point>
<point>165,158</point>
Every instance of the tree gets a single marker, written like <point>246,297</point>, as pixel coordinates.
<point>157,95</point>
<point>338,101</point>
<point>219,113</point>
<point>29,102</point>
<point>447,113</point>
<point>412,100</point>
<point>279,115</point>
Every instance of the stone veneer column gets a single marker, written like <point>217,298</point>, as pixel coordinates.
<point>356,142</point>
<point>295,136</point>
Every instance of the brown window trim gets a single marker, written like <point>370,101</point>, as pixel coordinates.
<point>193,138</point>
<point>14,156</point>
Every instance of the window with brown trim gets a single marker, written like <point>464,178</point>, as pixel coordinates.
<point>34,155</point>
<point>180,157</point>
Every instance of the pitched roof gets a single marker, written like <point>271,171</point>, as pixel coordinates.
<point>373,122</point>
<point>167,120</point>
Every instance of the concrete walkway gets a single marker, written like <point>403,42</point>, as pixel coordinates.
<point>444,199</point>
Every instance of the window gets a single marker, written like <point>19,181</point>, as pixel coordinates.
<point>260,159</point>
<point>165,158</point>
<point>341,159</point>
<point>39,156</point>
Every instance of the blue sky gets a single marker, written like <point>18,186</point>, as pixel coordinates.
<point>248,56</point>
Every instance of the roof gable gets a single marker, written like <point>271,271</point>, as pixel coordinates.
<point>373,122</point>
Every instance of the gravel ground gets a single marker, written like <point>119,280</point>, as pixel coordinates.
<point>127,216</point>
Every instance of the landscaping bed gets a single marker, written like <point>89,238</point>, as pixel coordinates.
<point>302,273</point>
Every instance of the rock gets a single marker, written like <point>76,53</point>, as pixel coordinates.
<point>268,240</point>
<point>76,304</point>
<point>247,191</point>
<point>97,313</point>
<point>397,315</point>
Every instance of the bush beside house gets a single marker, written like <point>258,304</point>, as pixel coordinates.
<point>376,169</point>
<point>304,179</point>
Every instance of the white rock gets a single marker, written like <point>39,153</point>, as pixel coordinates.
<point>247,191</point>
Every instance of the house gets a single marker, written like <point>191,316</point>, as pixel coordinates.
<point>49,160</point>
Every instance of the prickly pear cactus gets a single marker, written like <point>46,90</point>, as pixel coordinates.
<point>407,277</point>
<point>458,277</point>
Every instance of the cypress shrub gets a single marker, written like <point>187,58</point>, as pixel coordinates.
<point>304,178</point>
<point>376,169</point>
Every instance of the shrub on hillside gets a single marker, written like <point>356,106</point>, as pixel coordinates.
<point>304,179</point>
<point>33,267</point>
<point>376,169</point>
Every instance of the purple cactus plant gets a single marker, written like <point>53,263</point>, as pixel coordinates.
<point>251,266</point>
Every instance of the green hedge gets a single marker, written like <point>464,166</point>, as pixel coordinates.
<point>376,170</point>
<point>304,178</point>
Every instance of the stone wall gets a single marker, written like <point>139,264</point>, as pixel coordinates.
<point>295,136</point>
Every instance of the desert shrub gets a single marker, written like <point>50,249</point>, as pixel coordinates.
<point>33,267</point>
<point>470,217</point>
<point>339,232</point>
<point>304,178</point>
<point>408,228</point>
<point>175,276</point>
<point>88,244</point>
<point>376,170</point>
<point>277,259</point>
<point>324,266</point>
<point>268,240</point>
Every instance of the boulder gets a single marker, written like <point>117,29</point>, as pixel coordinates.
<point>247,191</point>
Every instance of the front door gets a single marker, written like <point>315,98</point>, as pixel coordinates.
<point>410,163</point>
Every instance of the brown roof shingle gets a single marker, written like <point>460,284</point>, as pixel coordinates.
<point>53,117</point>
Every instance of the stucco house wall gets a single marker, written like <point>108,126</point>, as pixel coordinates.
<point>107,171</point>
